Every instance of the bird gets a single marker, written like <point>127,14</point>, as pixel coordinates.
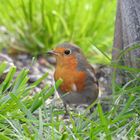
<point>80,85</point>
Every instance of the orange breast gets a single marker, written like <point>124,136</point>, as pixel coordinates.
<point>70,77</point>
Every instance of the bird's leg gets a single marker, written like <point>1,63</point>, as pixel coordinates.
<point>66,110</point>
<point>66,115</point>
<point>93,108</point>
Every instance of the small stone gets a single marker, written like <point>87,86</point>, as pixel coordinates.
<point>22,56</point>
<point>51,60</point>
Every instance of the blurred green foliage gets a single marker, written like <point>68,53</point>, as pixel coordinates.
<point>38,25</point>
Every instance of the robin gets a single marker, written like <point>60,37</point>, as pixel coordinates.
<point>79,85</point>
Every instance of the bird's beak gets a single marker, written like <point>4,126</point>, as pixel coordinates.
<point>52,52</point>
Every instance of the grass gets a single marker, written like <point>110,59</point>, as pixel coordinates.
<point>37,25</point>
<point>17,105</point>
<point>23,116</point>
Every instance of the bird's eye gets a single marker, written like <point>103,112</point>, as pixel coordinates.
<point>67,52</point>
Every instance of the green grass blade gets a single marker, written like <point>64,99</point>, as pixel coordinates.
<point>104,122</point>
<point>2,67</point>
<point>44,95</point>
<point>7,82</point>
